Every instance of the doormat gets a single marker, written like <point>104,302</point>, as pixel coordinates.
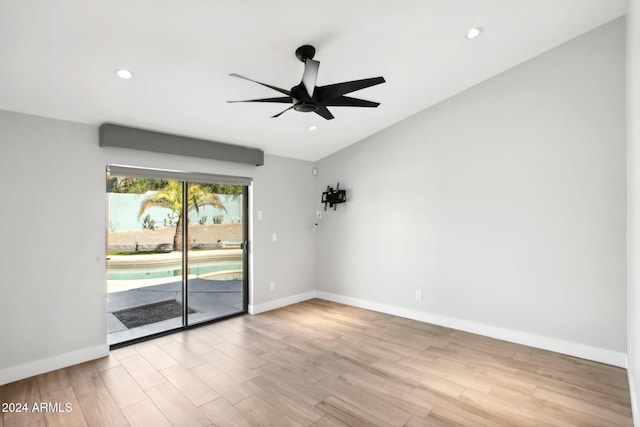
<point>150,313</point>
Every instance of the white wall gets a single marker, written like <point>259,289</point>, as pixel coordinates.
<point>52,263</point>
<point>633,211</point>
<point>505,205</point>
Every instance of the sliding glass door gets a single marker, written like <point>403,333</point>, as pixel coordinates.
<point>176,250</point>
<point>216,250</point>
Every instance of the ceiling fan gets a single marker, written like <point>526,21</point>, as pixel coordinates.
<point>307,97</point>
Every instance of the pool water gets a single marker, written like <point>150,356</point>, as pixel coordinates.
<point>155,274</point>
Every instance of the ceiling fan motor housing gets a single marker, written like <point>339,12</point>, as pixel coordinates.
<point>301,100</point>
<point>305,107</point>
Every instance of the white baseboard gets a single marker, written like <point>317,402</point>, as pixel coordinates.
<point>583,351</point>
<point>282,302</point>
<point>37,367</point>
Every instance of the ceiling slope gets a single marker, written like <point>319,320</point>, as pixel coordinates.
<point>58,59</point>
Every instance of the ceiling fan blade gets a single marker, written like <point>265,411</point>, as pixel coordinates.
<point>330,92</point>
<point>282,99</point>
<point>346,101</point>
<point>322,111</point>
<point>281,112</point>
<point>310,75</point>
<point>283,91</point>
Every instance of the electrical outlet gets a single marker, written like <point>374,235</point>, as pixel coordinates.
<point>418,295</point>
<point>272,286</point>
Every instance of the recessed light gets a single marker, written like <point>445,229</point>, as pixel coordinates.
<point>124,73</point>
<point>313,127</point>
<point>473,33</point>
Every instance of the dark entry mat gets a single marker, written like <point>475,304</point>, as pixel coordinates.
<point>150,313</point>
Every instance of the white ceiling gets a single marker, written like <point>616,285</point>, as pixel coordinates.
<point>58,57</point>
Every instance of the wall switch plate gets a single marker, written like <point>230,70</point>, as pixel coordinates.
<point>259,215</point>
<point>272,286</point>
<point>418,295</point>
<point>319,214</point>
<point>274,237</point>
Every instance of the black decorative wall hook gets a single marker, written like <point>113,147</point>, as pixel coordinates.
<point>333,197</point>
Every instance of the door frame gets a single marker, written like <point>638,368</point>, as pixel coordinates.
<point>185,178</point>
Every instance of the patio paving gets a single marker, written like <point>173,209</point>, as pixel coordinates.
<point>210,299</point>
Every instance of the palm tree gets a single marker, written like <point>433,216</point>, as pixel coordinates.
<point>170,197</point>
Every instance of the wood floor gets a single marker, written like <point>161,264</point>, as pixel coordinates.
<point>319,363</point>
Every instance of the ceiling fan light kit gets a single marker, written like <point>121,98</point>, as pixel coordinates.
<point>306,97</point>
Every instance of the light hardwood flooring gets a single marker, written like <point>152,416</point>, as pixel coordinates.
<point>319,363</point>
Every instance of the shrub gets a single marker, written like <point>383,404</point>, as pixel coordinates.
<point>149,223</point>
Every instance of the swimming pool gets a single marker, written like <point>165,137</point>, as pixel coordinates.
<point>154,266</point>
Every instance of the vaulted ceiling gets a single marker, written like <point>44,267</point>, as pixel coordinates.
<point>58,59</point>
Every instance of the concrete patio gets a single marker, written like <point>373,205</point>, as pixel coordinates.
<point>210,299</point>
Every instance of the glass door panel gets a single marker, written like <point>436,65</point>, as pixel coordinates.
<point>158,229</point>
<point>216,257</point>
<point>144,257</point>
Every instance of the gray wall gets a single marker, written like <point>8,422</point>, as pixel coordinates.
<point>52,265</point>
<point>633,212</point>
<point>504,205</point>
<point>283,192</point>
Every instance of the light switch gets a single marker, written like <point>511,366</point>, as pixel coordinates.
<point>274,237</point>
<point>259,215</point>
